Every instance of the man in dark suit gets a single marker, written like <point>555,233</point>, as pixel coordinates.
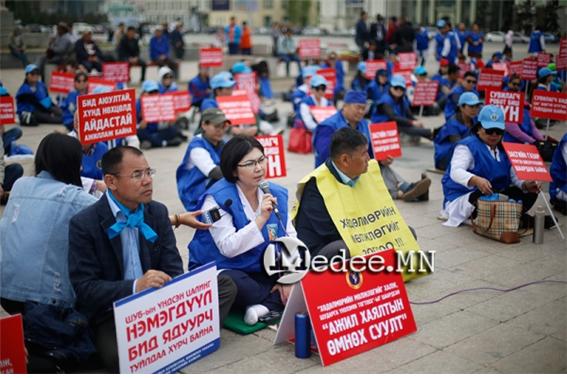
<point>124,244</point>
<point>378,34</point>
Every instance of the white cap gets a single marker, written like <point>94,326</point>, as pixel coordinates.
<point>164,71</point>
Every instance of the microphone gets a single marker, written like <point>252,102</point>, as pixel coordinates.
<point>265,188</point>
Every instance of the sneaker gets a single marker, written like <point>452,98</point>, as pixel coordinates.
<point>416,190</point>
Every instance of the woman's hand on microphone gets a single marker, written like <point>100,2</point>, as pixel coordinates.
<point>266,207</point>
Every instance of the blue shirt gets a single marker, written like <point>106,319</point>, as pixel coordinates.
<point>344,178</point>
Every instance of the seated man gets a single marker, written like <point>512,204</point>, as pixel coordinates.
<point>124,244</point>
<point>33,103</point>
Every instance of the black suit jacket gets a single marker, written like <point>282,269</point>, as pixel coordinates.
<point>95,262</point>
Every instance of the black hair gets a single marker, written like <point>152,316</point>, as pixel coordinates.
<point>61,156</point>
<point>78,75</point>
<point>469,74</point>
<point>113,158</point>
<point>453,68</point>
<point>130,28</point>
<point>346,140</point>
<point>261,68</point>
<point>234,151</point>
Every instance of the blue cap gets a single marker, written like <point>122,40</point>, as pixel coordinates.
<point>543,72</point>
<point>491,117</point>
<point>361,67</point>
<point>318,80</point>
<point>222,80</point>
<point>309,71</point>
<point>420,70</point>
<point>441,23</point>
<point>150,86</point>
<point>101,89</point>
<point>31,67</point>
<point>3,91</point>
<point>240,67</point>
<point>469,98</point>
<point>382,72</point>
<point>355,97</point>
<point>398,81</point>
<point>498,55</point>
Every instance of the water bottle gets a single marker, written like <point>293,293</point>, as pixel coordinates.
<point>302,335</point>
<point>539,223</point>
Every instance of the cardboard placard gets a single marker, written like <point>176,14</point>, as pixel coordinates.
<point>330,74</point>
<point>309,48</point>
<point>247,83</point>
<point>425,93</point>
<point>543,59</point>
<point>490,79</point>
<point>7,110</point>
<point>210,57</point>
<point>529,69</point>
<point>385,140</point>
<point>527,162</point>
<point>158,108</point>
<point>106,116</point>
<point>118,72</point>
<point>512,103</point>
<point>237,109</point>
<point>321,113</point>
<point>501,67</point>
<point>351,312</point>
<point>561,60</point>
<point>95,81</point>
<point>517,67</point>
<point>163,330</point>
<point>549,105</point>
<point>374,65</point>
<point>61,82</point>
<point>407,61</point>
<point>274,152</point>
<point>12,352</point>
<point>181,101</point>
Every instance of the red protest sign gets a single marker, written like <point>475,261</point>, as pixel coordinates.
<point>529,69</point>
<point>354,312</point>
<point>61,82</point>
<point>385,140</point>
<point>407,61</point>
<point>237,109</point>
<point>274,152</point>
<point>512,103</point>
<point>517,67</point>
<point>374,65</point>
<point>106,116</point>
<point>425,93</point>
<point>309,48</point>
<point>330,74</point>
<point>100,82</point>
<point>549,105</point>
<point>7,112</point>
<point>561,60</point>
<point>118,72</point>
<point>527,162</point>
<point>490,79</point>
<point>12,352</point>
<point>543,59</point>
<point>247,83</point>
<point>210,57</point>
<point>321,113</point>
<point>158,108</point>
<point>181,101</point>
<point>501,67</point>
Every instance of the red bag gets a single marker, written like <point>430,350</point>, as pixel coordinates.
<point>300,139</point>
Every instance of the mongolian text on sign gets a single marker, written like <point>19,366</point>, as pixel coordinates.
<point>527,162</point>
<point>118,72</point>
<point>549,105</point>
<point>7,112</point>
<point>490,79</point>
<point>309,48</point>
<point>237,109</point>
<point>425,93</point>
<point>158,108</point>
<point>321,113</point>
<point>385,140</point>
<point>274,152</point>
<point>210,57</point>
<point>512,103</point>
<point>61,82</point>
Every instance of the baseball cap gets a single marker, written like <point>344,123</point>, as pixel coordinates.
<point>164,71</point>
<point>398,81</point>
<point>491,117</point>
<point>441,23</point>
<point>30,68</point>
<point>355,97</point>
<point>543,72</point>
<point>309,71</point>
<point>101,89</point>
<point>552,66</point>
<point>222,80</point>
<point>444,62</point>
<point>469,98</point>
<point>318,80</point>
<point>420,70</point>
<point>150,86</point>
<point>240,67</point>
<point>214,116</point>
<point>361,67</point>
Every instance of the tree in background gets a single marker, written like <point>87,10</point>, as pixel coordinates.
<point>298,11</point>
<point>551,16</point>
<point>525,19</point>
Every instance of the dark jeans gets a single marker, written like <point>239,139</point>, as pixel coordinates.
<point>53,116</point>
<point>9,137</point>
<point>90,65</point>
<point>11,174</point>
<point>415,131</point>
<point>179,52</point>
<point>142,65</point>
<point>160,138</point>
<point>287,58</point>
<point>233,48</point>
<point>246,51</point>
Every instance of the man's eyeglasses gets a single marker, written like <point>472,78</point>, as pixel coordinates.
<point>471,81</point>
<point>494,131</point>
<point>514,84</point>
<point>138,174</point>
<point>80,81</point>
<point>321,88</point>
<point>250,164</point>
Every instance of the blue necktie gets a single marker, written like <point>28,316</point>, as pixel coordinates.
<point>134,219</point>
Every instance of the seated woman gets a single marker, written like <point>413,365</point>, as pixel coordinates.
<point>317,98</point>
<point>200,167</point>
<point>457,127</point>
<point>379,86</point>
<point>360,82</point>
<point>480,167</point>
<point>237,241</point>
<point>558,169</point>
<point>33,103</point>
<point>166,82</point>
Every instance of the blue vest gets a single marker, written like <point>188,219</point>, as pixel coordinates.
<point>497,172</point>
<point>296,97</point>
<point>535,42</point>
<point>163,89</point>
<point>309,101</point>
<point>69,106</point>
<point>454,51</point>
<point>210,102</point>
<point>39,92</point>
<point>439,40</point>
<point>198,89</point>
<point>475,37</point>
<point>558,170</point>
<point>192,183</point>
<point>202,249</point>
<point>376,90</point>
<point>91,162</point>
<point>443,147</point>
<point>359,84</point>
<point>422,40</point>
<point>401,108</point>
<point>525,126</point>
<point>451,106</point>
<point>462,37</point>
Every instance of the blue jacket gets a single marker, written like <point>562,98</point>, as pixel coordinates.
<point>359,84</point>
<point>307,100</point>
<point>401,108</point>
<point>296,97</point>
<point>91,161</point>
<point>498,173</point>
<point>199,89</point>
<point>535,42</point>
<point>325,130</point>
<point>69,107</point>
<point>558,170</point>
<point>443,147</point>
<point>159,46</point>
<point>462,35</point>
<point>203,249</point>
<point>454,51</point>
<point>191,182</point>
<point>265,89</point>
<point>443,81</point>
<point>29,99</point>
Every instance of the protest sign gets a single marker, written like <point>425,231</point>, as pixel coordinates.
<point>106,116</point>
<point>351,312</point>
<point>237,109</point>
<point>118,72</point>
<point>163,330</point>
<point>7,112</point>
<point>407,61</point>
<point>12,352</point>
<point>490,79</point>
<point>247,83</point>
<point>158,108</point>
<point>527,162</point>
<point>517,67</point>
<point>501,67</point>
<point>561,60</point>
<point>529,69</point>
<point>321,113</point>
<point>463,68</point>
<point>374,65</point>
<point>210,57</point>
<point>330,74</point>
<point>425,93</point>
<point>549,105</point>
<point>512,103</point>
<point>99,82</point>
<point>274,152</point>
<point>385,140</point>
<point>61,82</point>
<point>181,101</point>
<point>309,48</point>
<point>543,59</point>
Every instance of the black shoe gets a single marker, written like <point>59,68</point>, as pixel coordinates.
<point>423,197</point>
<point>560,206</point>
<point>271,317</point>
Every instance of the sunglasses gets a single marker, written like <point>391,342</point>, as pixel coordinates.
<point>515,83</point>
<point>321,88</point>
<point>168,77</point>
<point>80,81</point>
<point>494,131</point>
<point>399,88</point>
<point>471,81</point>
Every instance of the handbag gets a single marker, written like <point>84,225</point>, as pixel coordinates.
<point>300,139</point>
<point>498,220</point>
<point>546,148</point>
